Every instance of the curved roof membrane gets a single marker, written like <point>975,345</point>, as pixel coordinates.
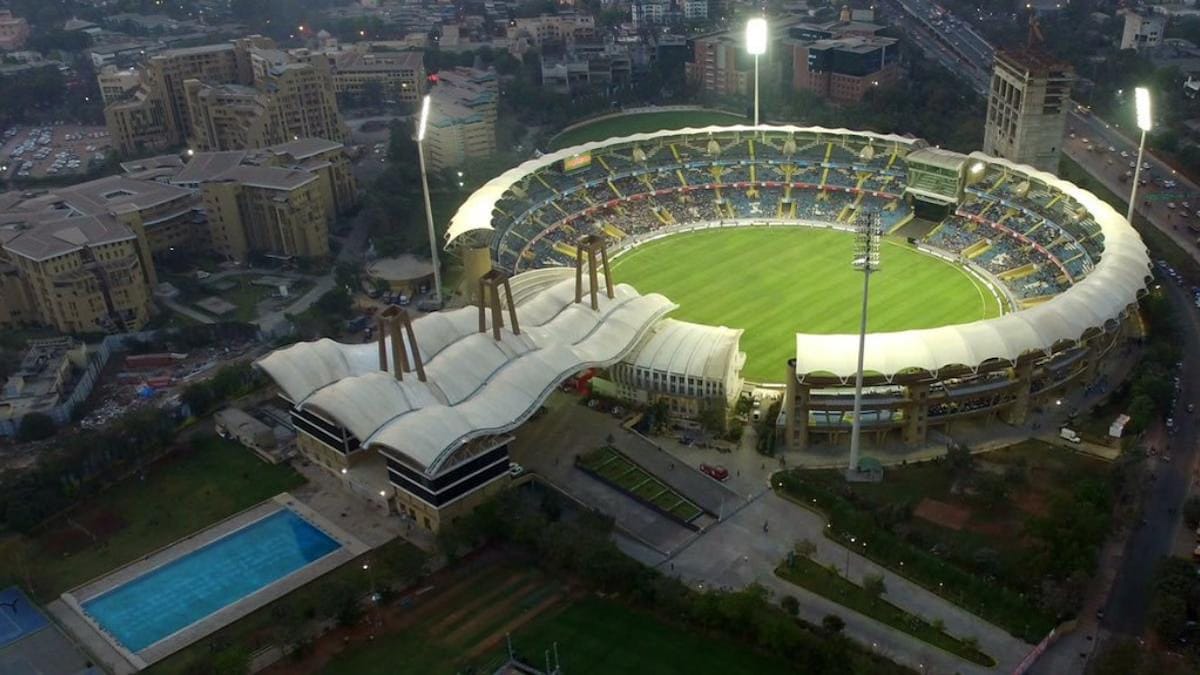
<point>475,385</point>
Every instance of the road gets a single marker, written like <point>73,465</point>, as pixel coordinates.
<point>1122,587</point>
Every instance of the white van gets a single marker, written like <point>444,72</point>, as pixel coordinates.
<point>1068,435</point>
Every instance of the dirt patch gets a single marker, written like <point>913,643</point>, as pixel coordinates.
<point>492,641</point>
<point>81,531</point>
<point>468,606</point>
<point>494,609</point>
<point>1033,503</point>
<point>946,515</point>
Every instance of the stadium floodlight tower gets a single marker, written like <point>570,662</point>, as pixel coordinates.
<point>756,45</point>
<point>433,245</point>
<point>867,233</point>
<point>1141,98</point>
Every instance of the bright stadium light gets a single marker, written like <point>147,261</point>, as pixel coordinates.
<point>756,36</point>
<point>1142,103</point>
<point>756,45</point>
<point>1141,100</point>
<point>433,244</point>
<point>868,232</point>
<point>977,168</point>
<point>424,118</point>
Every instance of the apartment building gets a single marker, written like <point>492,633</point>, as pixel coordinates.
<point>281,199</point>
<point>462,118</point>
<point>400,74</point>
<point>719,64</point>
<point>116,83</point>
<point>1144,29</point>
<point>565,28</point>
<point>81,258</point>
<point>74,273</point>
<point>244,94</point>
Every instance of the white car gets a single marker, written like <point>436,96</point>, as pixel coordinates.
<point>1124,154</point>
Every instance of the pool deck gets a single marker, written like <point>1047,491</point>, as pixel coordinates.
<point>105,646</point>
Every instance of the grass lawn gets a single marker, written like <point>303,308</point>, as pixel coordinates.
<point>593,635</point>
<point>825,582</point>
<point>619,469</point>
<point>773,283</point>
<point>636,123</point>
<point>1050,475</point>
<point>180,495</point>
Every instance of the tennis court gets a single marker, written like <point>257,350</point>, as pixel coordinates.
<point>29,645</point>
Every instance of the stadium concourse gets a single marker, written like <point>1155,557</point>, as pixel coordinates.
<point>422,422</point>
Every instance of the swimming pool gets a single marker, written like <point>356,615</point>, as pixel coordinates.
<point>176,595</point>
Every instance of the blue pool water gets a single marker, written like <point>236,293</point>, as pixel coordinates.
<point>184,591</point>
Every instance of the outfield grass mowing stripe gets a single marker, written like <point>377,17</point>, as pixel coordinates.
<point>775,282</point>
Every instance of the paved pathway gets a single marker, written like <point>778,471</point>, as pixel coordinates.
<point>737,553</point>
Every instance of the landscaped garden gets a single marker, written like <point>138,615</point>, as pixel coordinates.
<point>866,600</point>
<point>1011,535</point>
<point>195,486</point>
<point>614,467</point>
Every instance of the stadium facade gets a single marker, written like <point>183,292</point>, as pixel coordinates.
<point>1066,266</point>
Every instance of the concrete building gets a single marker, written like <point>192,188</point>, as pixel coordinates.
<point>281,199</point>
<point>844,69</point>
<point>462,118</point>
<point>400,74</point>
<point>116,83</point>
<point>583,69</point>
<point>77,274</point>
<point>244,94</point>
<point>43,378</point>
<point>1144,29</point>
<point>14,31</point>
<point>695,10</point>
<point>565,28</point>
<point>645,13</point>
<point>719,64</point>
<point>1027,108</point>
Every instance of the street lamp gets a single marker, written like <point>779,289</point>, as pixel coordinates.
<point>1142,103</point>
<point>433,253</point>
<point>867,233</point>
<point>756,45</point>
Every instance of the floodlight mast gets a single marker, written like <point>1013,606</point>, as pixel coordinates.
<point>433,243</point>
<point>1141,99</point>
<point>756,45</point>
<point>867,234</point>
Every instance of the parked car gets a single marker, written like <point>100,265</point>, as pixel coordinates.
<point>715,472</point>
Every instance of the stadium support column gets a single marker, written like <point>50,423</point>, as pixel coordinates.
<point>490,287</point>
<point>916,411</point>
<point>589,245</point>
<point>1023,375</point>
<point>795,406</point>
<point>477,261</point>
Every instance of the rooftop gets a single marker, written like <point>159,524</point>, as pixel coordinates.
<point>208,165</point>
<point>43,240</point>
<point>267,177</point>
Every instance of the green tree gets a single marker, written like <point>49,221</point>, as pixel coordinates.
<point>36,426</point>
<point>1191,512</point>
<point>874,586</point>
<point>960,460</point>
<point>790,605</point>
<point>372,93</point>
<point>832,623</point>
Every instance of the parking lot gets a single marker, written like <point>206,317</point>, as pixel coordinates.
<point>51,150</point>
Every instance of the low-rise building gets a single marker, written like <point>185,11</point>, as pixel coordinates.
<point>1143,29</point>
<point>844,69</point>
<point>566,28</point>
<point>42,379</point>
